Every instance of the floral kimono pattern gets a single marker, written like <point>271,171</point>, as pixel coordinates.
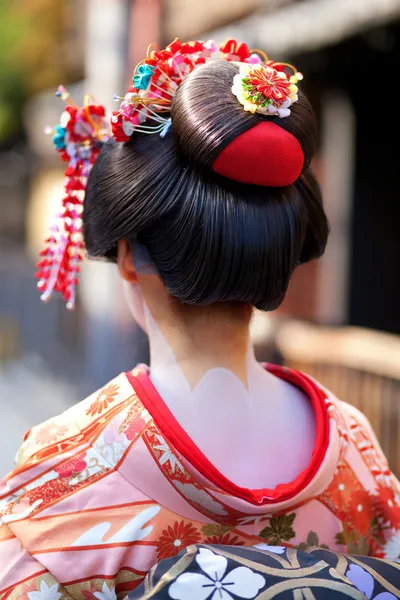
<point>219,572</point>
<point>103,492</point>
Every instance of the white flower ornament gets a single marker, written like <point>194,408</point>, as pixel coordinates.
<point>215,583</point>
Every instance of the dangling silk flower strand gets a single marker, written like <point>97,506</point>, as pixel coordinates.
<point>78,139</point>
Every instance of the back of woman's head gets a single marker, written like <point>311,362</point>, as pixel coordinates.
<point>212,239</point>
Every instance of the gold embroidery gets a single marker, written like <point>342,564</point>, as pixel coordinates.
<point>333,586</point>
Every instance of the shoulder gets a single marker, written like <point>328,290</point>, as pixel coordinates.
<point>348,417</point>
<point>338,409</point>
<point>356,432</point>
<point>77,425</point>
<point>349,422</point>
<point>63,455</point>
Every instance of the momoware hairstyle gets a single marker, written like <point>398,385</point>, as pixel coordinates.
<point>212,239</point>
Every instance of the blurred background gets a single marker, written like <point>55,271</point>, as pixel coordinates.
<point>341,319</point>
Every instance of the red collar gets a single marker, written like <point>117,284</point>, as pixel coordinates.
<point>184,445</point>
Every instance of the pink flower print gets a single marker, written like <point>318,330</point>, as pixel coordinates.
<point>50,433</point>
<point>134,428</point>
<point>89,594</point>
<point>26,588</point>
<point>74,466</point>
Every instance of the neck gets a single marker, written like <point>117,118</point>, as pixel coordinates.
<point>205,338</point>
<point>197,339</point>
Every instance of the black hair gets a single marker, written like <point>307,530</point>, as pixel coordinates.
<point>212,239</point>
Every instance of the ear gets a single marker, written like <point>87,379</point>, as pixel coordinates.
<point>125,262</point>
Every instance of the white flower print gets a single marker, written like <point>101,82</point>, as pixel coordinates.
<point>215,584</point>
<point>46,592</point>
<point>106,593</point>
<point>392,548</point>
<point>200,497</point>
<point>167,455</point>
<point>364,582</point>
<point>113,453</point>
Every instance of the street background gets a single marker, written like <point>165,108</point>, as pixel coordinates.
<point>349,51</point>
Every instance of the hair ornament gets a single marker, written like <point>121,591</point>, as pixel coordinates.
<point>147,104</point>
<point>266,88</point>
<point>78,139</point>
<point>234,51</point>
<point>262,86</point>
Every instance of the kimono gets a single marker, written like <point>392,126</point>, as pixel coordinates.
<point>103,492</point>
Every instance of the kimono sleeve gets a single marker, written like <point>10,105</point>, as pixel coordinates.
<point>21,574</point>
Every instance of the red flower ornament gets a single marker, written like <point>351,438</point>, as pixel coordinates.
<point>264,89</point>
<point>235,51</point>
<point>269,82</point>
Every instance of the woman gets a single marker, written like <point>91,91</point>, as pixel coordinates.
<point>206,218</point>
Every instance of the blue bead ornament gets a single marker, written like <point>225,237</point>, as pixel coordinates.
<point>59,137</point>
<point>141,79</point>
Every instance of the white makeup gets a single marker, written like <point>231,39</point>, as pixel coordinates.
<point>257,437</point>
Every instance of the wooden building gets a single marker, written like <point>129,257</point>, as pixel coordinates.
<point>348,51</point>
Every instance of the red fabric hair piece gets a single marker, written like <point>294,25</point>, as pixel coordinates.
<point>265,155</point>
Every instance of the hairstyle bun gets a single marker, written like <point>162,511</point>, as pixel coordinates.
<point>212,239</point>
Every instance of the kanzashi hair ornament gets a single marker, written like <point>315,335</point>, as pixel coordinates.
<point>267,154</point>
<point>155,81</point>
<point>234,51</point>
<point>266,88</point>
<point>261,86</point>
<point>78,139</point>
<point>159,75</point>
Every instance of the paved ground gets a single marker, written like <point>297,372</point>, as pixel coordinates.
<point>29,394</point>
